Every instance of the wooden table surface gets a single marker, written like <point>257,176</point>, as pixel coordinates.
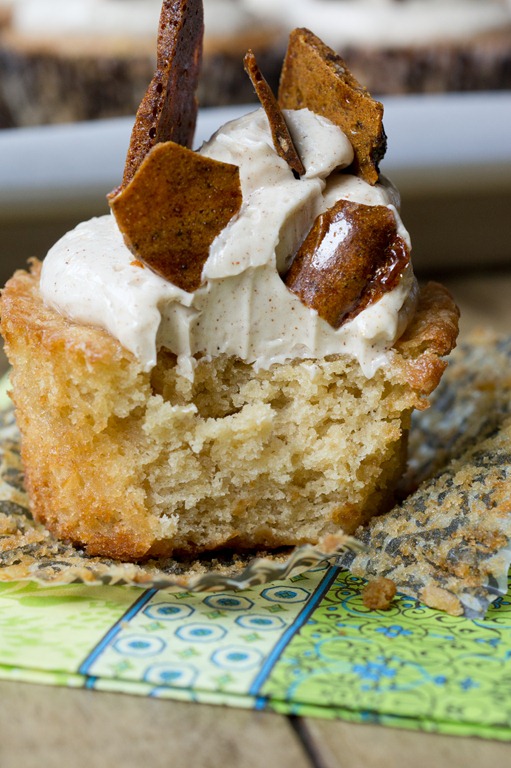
<point>45,727</point>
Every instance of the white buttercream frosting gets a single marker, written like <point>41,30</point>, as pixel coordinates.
<point>243,307</point>
<point>386,22</point>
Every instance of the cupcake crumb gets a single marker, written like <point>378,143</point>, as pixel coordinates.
<point>379,594</point>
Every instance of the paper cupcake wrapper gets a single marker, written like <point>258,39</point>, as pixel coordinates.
<point>448,544</point>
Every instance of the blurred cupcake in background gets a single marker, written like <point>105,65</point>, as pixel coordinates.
<point>409,46</point>
<point>5,11</point>
<point>68,60</point>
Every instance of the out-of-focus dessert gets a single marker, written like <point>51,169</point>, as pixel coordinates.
<point>5,12</point>
<point>63,60</point>
<point>409,46</point>
<point>231,359</point>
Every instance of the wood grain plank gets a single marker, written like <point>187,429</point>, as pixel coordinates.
<point>346,745</point>
<point>44,726</point>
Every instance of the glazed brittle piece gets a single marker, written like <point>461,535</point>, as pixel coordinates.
<point>352,255</point>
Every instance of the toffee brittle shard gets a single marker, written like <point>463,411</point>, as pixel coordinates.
<point>367,260</point>
<point>168,111</point>
<point>282,139</point>
<point>315,77</point>
<point>174,207</point>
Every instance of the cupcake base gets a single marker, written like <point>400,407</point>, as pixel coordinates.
<point>131,464</point>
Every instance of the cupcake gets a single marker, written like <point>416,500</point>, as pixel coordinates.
<point>409,46</point>
<point>230,359</point>
<point>64,61</point>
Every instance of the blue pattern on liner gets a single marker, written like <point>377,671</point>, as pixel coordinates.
<point>114,630</point>
<point>286,638</point>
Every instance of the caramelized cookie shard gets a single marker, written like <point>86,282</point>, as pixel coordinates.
<point>174,207</point>
<point>168,111</point>
<point>350,258</point>
<point>282,140</point>
<point>314,76</point>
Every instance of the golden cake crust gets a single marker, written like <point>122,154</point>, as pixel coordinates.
<point>430,336</point>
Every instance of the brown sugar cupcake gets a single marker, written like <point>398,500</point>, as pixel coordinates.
<point>231,358</point>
